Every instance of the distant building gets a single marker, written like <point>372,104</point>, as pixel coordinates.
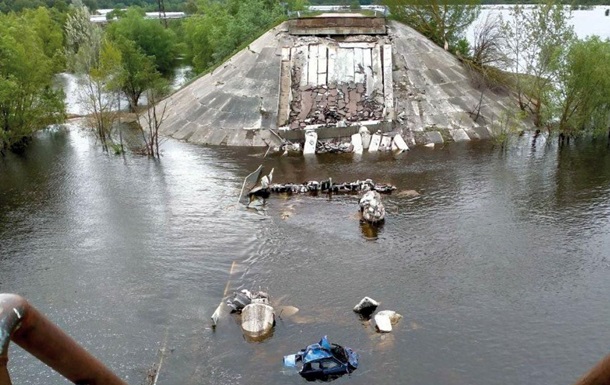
<point>100,15</point>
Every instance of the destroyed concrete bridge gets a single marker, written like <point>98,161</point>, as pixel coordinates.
<point>333,74</point>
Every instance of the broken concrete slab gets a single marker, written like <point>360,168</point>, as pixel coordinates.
<point>366,137</point>
<point>399,144</point>
<point>366,306</point>
<point>375,142</point>
<point>357,143</point>
<point>385,319</point>
<point>434,137</point>
<point>311,139</point>
<point>383,324</point>
<point>459,135</point>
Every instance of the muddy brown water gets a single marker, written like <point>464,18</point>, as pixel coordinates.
<point>499,267</point>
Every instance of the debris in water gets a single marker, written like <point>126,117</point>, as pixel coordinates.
<point>323,361</point>
<point>371,207</point>
<point>385,319</point>
<point>366,307</point>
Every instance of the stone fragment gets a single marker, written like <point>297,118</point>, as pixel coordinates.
<point>385,319</point>
<point>366,306</point>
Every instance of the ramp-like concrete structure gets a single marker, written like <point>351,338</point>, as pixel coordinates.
<point>385,76</point>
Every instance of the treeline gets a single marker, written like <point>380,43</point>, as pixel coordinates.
<point>128,58</point>
<point>62,5</point>
<point>560,82</point>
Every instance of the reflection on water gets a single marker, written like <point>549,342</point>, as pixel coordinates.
<point>499,267</point>
<point>76,96</point>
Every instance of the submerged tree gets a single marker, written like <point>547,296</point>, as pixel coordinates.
<point>442,21</point>
<point>28,101</point>
<point>538,40</point>
<point>151,120</point>
<point>584,100</point>
<point>137,73</point>
<point>98,63</point>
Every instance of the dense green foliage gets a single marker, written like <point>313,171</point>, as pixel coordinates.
<point>149,36</point>
<point>442,21</point>
<point>30,46</point>
<point>584,84</point>
<point>219,28</point>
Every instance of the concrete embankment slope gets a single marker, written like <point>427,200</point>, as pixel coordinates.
<point>390,80</point>
<point>230,105</point>
<point>435,96</point>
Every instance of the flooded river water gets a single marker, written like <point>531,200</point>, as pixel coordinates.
<point>499,268</point>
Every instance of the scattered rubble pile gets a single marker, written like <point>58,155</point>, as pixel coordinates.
<point>244,298</point>
<point>327,186</point>
<point>334,146</point>
<point>371,207</point>
<point>332,104</point>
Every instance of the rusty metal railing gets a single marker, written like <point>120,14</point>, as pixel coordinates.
<point>26,326</point>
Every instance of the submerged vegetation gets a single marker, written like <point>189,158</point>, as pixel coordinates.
<point>559,81</point>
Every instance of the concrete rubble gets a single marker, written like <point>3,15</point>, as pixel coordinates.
<point>325,187</point>
<point>385,319</point>
<point>372,208</point>
<point>366,307</point>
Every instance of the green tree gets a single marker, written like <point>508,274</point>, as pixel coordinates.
<point>50,33</point>
<point>202,34</point>
<point>138,71</point>
<point>152,119</point>
<point>584,101</point>
<point>442,21</point>
<point>97,62</point>
<point>27,100</point>
<point>539,39</point>
<point>149,36</point>
<point>220,28</point>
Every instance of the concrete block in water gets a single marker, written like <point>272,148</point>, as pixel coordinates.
<point>366,306</point>
<point>375,142</point>
<point>366,137</point>
<point>385,319</point>
<point>257,319</point>
<point>311,138</point>
<point>357,143</point>
<point>386,143</point>
<point>399,144</point>
<point>434,137</point>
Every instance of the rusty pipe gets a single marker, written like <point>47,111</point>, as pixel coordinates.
<point>598,375</point>
<point>26,326</point>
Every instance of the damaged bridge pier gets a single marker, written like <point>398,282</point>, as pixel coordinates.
<point>332,75</point>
